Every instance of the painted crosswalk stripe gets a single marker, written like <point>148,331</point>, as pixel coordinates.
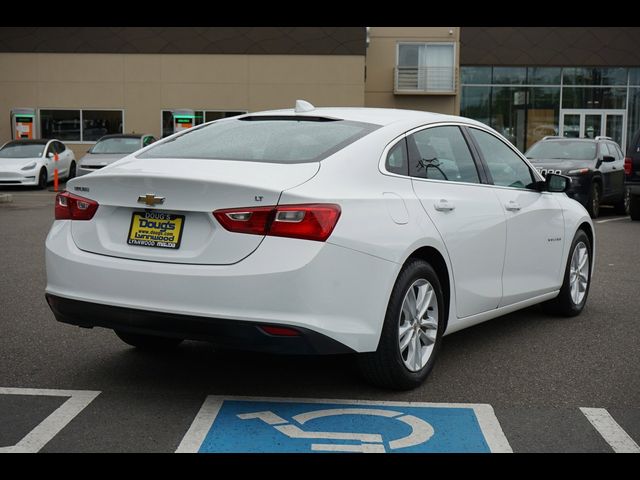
<point>608,428</point>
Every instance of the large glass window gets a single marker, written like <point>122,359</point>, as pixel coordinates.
<point>80,125</point>
<point>596,97</point>
<point>633,119</point>
<point>263,139</point>
<point>542,114</point>
<point>475,75</point>
<point>427,66</point>
<point>509,75</point>
<point>98,123</point>
<point>544,75</point>
<point>634,76</point>
<point>475,103</point>
<point>594,76</point>
<point>441,153</point>
<point>508,113</point>
<point>506,168</point>
<point>60,124</point>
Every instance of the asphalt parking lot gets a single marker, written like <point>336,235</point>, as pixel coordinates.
<point>66,389</point>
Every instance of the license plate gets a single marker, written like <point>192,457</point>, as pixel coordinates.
<point>155,229</point>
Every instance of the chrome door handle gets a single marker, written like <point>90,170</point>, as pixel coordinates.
<point>512,206</point>
<point>443,205</point>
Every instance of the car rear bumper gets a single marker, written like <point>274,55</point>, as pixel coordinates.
<point>334,291</point>
<point>225,333</point>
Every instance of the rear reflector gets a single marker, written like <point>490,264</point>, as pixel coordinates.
<point>280,331</point>
<point>73,207</point>
<point>313,221</point>
<point>627,165</point>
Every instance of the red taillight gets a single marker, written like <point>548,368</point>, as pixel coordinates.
<point>280,331</point>
<point>313,221</point>
<point>73,207</point>
<point>627,165</point>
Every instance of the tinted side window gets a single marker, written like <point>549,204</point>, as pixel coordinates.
<point>505,166</point>
<point>59,146</point>
<point>441,153</point>
<point>397,161</point>
<point>51,148</point>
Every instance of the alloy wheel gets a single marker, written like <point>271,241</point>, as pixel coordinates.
<point>418,325</point>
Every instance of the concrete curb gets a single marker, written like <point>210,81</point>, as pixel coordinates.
<point>6,198</point>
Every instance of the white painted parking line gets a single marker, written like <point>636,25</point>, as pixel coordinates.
<point>56,421</point>
<point>612,219</point>
<point>608,428</point>
<point>257,424</point>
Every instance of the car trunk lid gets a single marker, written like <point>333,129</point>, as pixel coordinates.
<point>161,190</point>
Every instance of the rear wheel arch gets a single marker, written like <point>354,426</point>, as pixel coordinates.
<point>432,256</point>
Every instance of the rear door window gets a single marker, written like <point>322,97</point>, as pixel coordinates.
<point>441,153</point>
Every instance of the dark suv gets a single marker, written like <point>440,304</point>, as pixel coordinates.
<point>595,165</point>
<point>632,176</point>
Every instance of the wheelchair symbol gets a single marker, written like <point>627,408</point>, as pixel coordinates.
<point>421,431</point>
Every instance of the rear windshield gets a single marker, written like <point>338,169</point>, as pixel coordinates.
<point>263,139</point>
<point>117,145</point>
<point>22,150</point>
<point>562,150</point>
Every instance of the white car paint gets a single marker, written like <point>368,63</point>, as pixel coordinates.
<point>339,288</point>
<point>25,171</point>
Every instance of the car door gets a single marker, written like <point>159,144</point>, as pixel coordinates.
<point>606,169</point>
<point>64,160</point>
<point>617,170</point>
<point>465,211</point>
<point>535,223</point>
<point>49,161</point>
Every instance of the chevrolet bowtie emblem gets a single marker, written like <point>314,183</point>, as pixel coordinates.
<point>150,199</point>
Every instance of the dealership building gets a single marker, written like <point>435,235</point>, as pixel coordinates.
<point>79,83</point>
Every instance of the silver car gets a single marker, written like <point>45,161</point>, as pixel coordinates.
<point>111,148</point>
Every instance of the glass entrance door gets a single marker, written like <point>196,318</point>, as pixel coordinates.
<point>594,123</point>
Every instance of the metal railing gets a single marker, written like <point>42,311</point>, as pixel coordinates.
<point>424,80</point>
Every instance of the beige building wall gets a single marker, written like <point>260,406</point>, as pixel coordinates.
<point>381,61</point>
<point>144,84</point>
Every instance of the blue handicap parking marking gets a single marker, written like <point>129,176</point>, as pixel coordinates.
<point>239,425</point>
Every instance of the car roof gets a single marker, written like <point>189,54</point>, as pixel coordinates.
<point>36,141</point>
<point>126,135</point>
<point>379,116</point>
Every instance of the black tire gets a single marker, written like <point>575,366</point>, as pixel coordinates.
<point>43,179</point>
<point>593,203</point>
<point>634,207</point>
<point>148,342</point>
<point>385,367</point>
<point>563,304</point>
<point>72,171</point>
<point>622,207</point>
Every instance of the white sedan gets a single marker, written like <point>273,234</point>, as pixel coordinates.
<point>32,162</point>
<point>328,230</point>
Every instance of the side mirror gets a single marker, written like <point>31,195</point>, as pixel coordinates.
<point>608,158</point>
<point>50,155</point>
<point>557,183</point>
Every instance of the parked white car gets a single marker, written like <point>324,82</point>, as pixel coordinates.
<point>328,230</point>
<point>32,162</point>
